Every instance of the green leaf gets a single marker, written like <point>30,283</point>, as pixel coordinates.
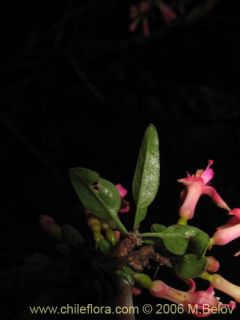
<point>156,227</point>
<point>190,266</point>
<point>140,215</point>
<point>176,245</point>
<point>197,240</point>
<point>97,195</point>
<point>175,240</point>
<point>180,239</point>
<point>199,243</point>
<point>146,177</point>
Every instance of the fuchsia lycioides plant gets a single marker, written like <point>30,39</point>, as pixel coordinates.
<point>182,247</point>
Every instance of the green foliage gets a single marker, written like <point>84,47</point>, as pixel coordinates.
<point>176,239</point>
<point>184,245</point>
<point>147,173</point>
<point>199,243</point>
<point>97,195</point>
<point>190,266</point>
<point>180,239</point>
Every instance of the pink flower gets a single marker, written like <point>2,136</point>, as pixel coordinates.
<point>197,185</point>
<point>229,231</point>
<point>192,301</point>
<point>219,283</point>
<point>168,14</point>
<point>140,13</point>
<point>125,207</point>
<point>235,212</point>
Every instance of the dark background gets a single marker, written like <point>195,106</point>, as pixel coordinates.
<point>77,89</point>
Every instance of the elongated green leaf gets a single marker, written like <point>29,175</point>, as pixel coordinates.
<point>190,266</point>
<point>146,177</point>
<point>140,215</point>
<point>98,195</point>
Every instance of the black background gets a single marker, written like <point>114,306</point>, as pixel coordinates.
<point>79,90</point>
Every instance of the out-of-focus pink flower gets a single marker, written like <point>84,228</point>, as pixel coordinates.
<point>197,185</point>
<point>133,25</point>
<point>122,191</point>
<point>139,13</point>
<point>144,6</point>
<point>125,207</point>
<point>192,301</point>
<point>168,14</point>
